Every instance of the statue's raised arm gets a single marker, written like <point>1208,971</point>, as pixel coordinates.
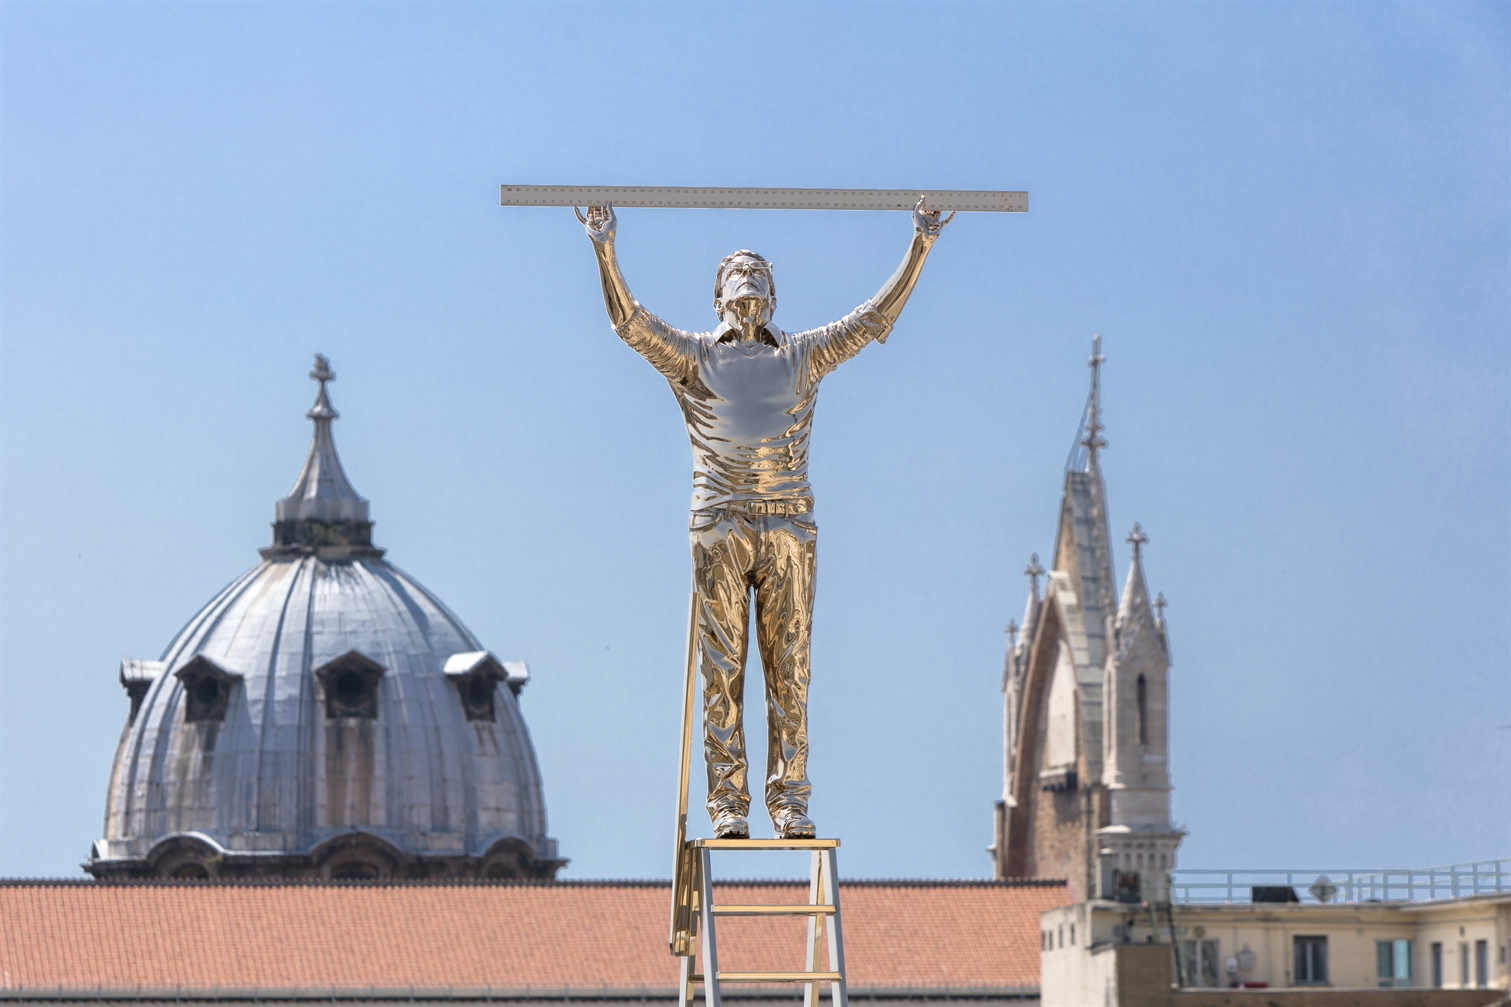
<point>831,345</point>
<point>668,350</point>
<point>895,292</point>
<point>600,223</point>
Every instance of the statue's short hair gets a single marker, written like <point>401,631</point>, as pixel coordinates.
<point>743,253</point>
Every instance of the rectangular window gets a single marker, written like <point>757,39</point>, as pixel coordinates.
<point>1311,961</point>
<point>1393,963</point>
<point>1463,966</point>
<point>1482,964</point>
<point>1437,965</point>
<point>1072,935</point>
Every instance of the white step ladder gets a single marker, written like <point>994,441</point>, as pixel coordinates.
<point>695,909</point>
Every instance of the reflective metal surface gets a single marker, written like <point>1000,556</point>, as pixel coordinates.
<point>747,391</point>
<point>701,198</point>
<point>733,553</point>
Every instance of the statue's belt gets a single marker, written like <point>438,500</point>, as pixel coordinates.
<point>778,508</point>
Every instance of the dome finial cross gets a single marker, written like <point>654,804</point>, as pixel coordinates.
<point>322,372</point>
<point>322,410</point>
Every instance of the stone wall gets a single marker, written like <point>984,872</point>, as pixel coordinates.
<point>1144,975</point>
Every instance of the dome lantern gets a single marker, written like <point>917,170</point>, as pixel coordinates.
<point>322,511</point>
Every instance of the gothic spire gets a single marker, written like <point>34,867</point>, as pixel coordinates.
<point>1083,547</point>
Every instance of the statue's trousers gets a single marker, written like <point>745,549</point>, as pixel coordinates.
<point>736,553</point>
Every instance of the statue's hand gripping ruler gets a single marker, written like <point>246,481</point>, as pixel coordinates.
<point>694,198</point>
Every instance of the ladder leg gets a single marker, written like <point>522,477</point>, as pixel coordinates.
<point>830,884</point>
<point>687,991</point>
<point>815,934</point>
<point>708,940</point>
<point>685,988</point>
<point>681,928</point>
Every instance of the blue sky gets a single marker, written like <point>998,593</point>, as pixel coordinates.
<point>1289,222</point>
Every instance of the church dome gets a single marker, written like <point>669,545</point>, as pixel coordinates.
<point>324,716</point>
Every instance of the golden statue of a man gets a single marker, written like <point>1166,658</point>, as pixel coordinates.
<point>747,391</point>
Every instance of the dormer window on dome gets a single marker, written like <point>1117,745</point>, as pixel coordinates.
<point>207,688</point>
<point>350,684</point>
<point>136,678</point>
<point>476,675</point>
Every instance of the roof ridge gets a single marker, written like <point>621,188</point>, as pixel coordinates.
<point>501,882</point>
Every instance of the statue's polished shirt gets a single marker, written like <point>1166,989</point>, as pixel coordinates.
<point>749,405</point>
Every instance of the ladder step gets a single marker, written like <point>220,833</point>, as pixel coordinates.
<point>775,977</point>
<point>809,910</point>
<point>764,844</point>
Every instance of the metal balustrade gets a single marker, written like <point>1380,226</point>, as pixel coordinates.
<point>1480,877</point>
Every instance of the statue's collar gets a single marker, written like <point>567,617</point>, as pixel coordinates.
<point>770,334</point>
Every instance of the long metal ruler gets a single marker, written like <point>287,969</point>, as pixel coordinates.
<point>689,198</point>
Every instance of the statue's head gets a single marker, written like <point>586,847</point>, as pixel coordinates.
<point>744,292</point>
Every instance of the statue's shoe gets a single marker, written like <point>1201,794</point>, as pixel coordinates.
<point>791,823</point>
<point>730,823</point>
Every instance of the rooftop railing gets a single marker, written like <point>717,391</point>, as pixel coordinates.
<point>1481,877</point>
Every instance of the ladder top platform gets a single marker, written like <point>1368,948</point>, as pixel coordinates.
<point>763,844</point>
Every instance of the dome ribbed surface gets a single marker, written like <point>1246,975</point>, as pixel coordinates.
<point>277,774</point>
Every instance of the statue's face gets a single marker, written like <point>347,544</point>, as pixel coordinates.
<point>745,300</point>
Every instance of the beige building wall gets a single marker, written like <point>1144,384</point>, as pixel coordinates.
<point>1255,944</point>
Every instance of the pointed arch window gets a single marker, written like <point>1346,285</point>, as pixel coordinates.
<point>1141,723</point>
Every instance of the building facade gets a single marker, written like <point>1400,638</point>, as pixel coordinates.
<point>324,716</point>
<point>1086,792</point>
<point>1092,949</point>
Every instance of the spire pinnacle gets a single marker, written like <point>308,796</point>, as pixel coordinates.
<point>1135,610</point>
<point>1033,572</point>
<point>1093,440</point>
<point>1089,439</point>
<point>1160,604</point>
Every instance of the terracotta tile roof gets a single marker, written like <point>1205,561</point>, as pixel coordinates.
<point>502,936</point>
